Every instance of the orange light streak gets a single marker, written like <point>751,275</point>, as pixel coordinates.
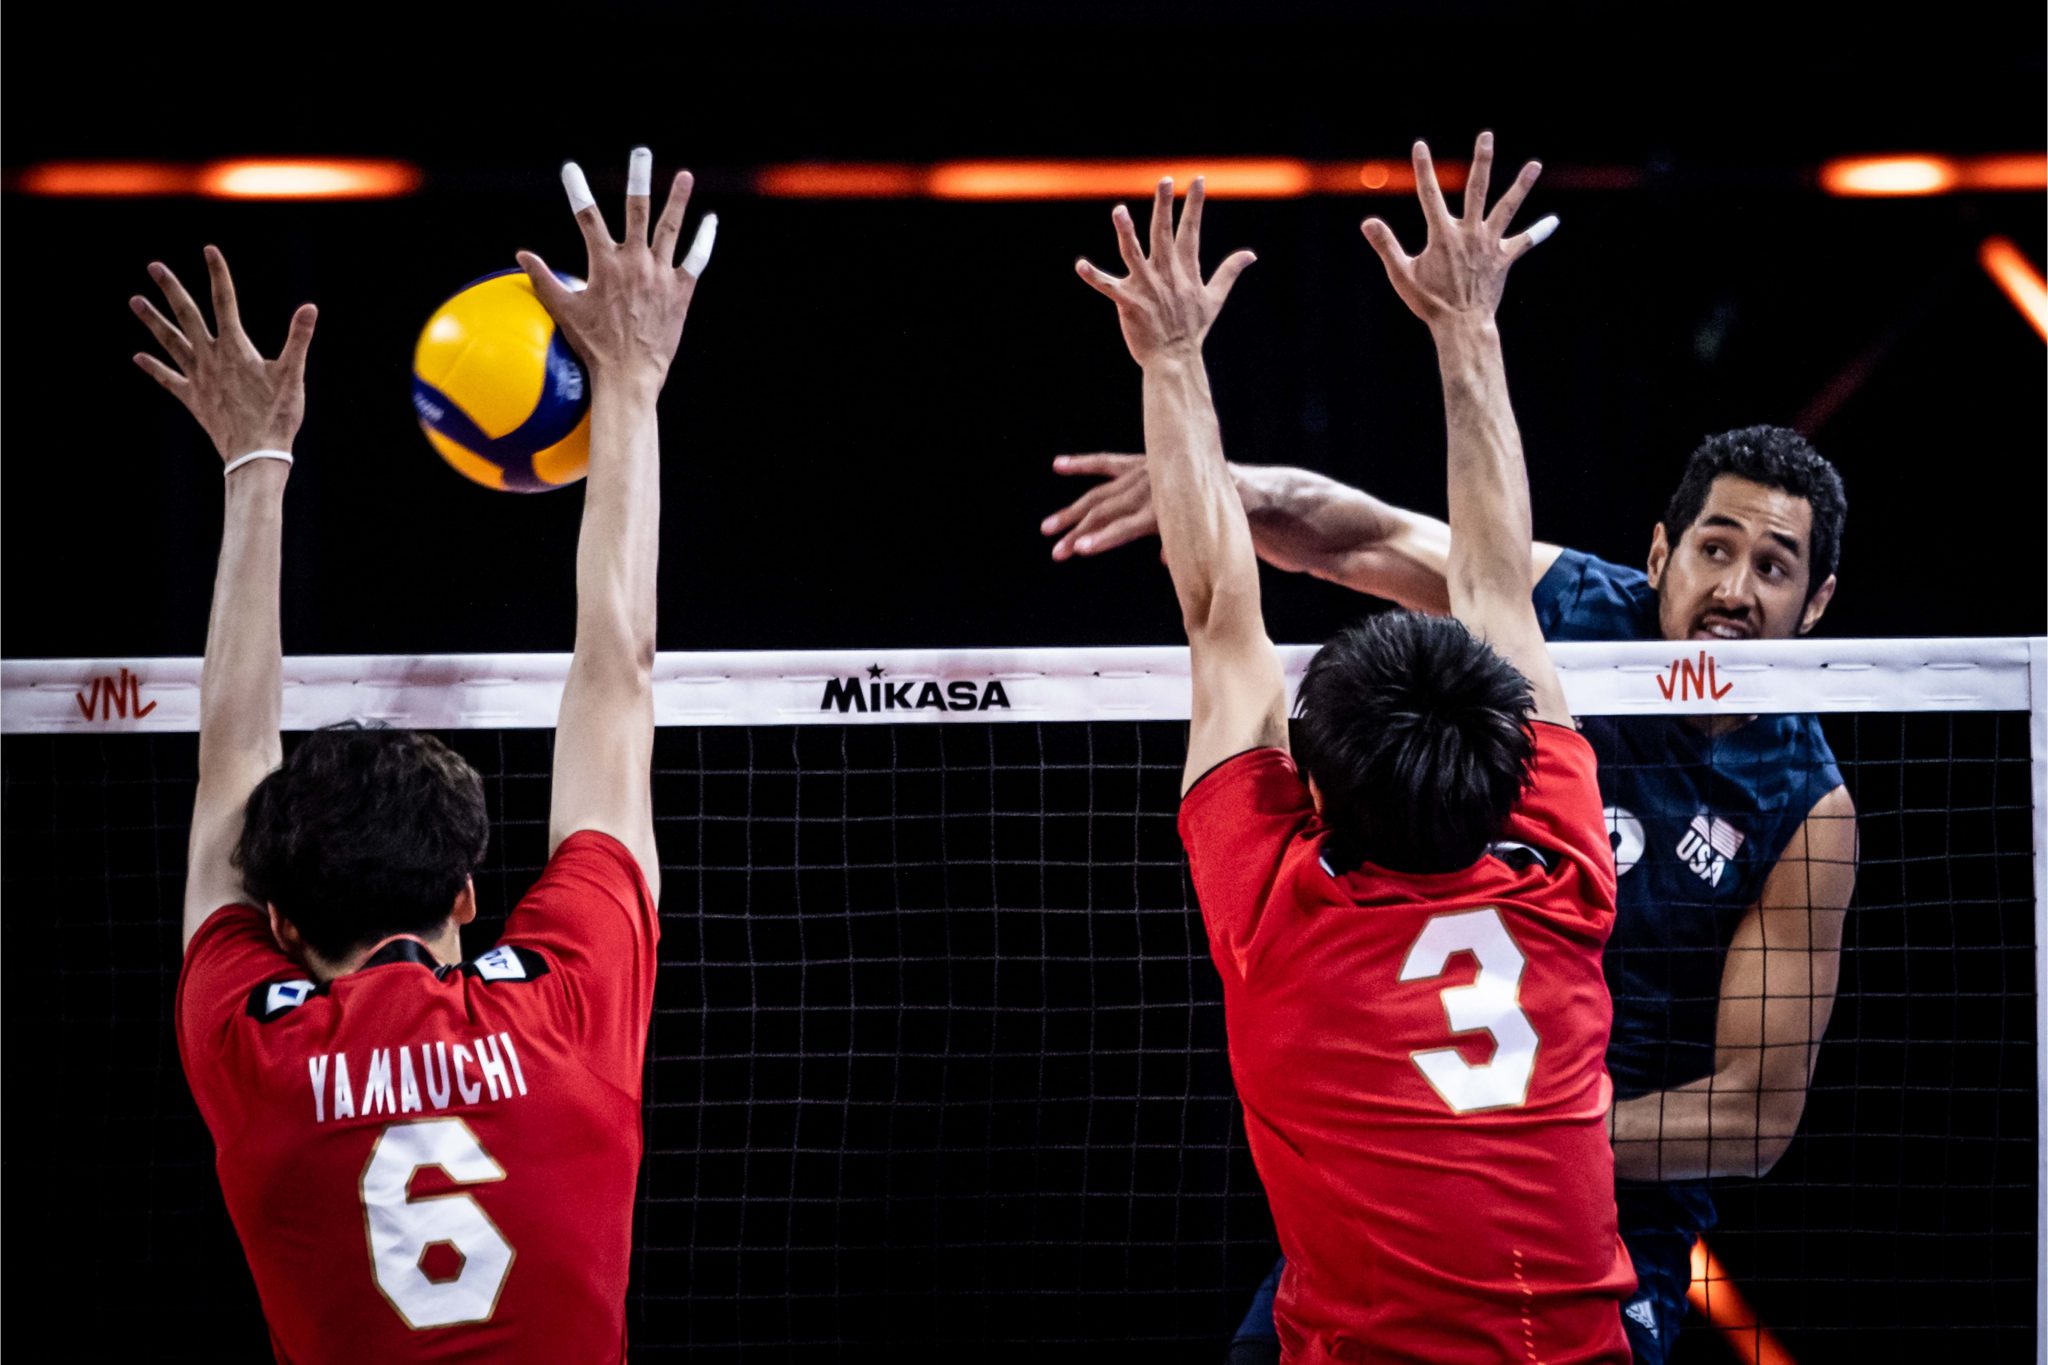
<point>297,179</point>
<point>308,179</point>
<point>986,181</point>
<point>1238,177</point>
<point>1891,176</point>
<point>1719,1302</point>
<point>2016,275</point>
<point>107,179</point>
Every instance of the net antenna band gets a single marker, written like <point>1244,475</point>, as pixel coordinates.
<point>896,687</point>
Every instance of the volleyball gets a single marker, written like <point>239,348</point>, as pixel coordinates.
<point>497,390</point>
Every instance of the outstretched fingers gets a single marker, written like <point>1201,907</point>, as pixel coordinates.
<point>1189,237</point>
<point>1477,179</point>
<point>168,336</point>
<point>668,230</point>
<point>163,374</point>
<point>1127,239</point>
<point>190,322</point>
<point>1511,202</point>
<point>1226,274</point>
<point>639,194</point>
<point>297,341</point>
<point>1162,219</point>
<point>1382,240</point>
<point>1101,282</point>
<point>1434,210</point>
<point>1539,232</point>
<point>227,313</point>
<point>581,203</point>
<point>551,292</point>
<point>699,254</point>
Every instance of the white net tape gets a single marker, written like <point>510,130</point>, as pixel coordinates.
<point>805,687</point>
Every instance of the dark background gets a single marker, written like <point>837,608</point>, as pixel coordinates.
<point>859,427</point>
<point>858,433</point>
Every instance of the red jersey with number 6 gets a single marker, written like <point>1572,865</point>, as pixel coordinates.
<point>1421,1061</point>
<point>435,1163</point>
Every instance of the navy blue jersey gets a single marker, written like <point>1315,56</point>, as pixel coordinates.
<point>1697,822</point>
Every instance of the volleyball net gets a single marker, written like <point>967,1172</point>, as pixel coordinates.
<point>937,1062</point>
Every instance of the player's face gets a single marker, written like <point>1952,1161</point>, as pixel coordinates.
<point>1741,570</point>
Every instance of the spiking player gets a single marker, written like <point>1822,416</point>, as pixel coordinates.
<point>1409,939</point>
<point>427,1158</point>
<point>1734,837</point>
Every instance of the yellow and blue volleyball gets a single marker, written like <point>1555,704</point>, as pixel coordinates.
<point>498,391</point>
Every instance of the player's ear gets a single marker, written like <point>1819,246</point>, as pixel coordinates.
<point>465,902</point>
<point>1660,555</point>
<point>287,935</point>
<point>1315,794</point>
<point>1817,604</point>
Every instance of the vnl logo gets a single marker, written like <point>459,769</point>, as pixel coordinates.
<point>111,697</point>
<point>872,693</point>
<point>1693,680</point>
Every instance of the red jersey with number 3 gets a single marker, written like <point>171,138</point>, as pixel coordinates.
<point>1421,1061</point>
<point>435,1164</point>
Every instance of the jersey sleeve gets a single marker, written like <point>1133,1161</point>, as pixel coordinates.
<point>1237,823</point>
<point>231,956</point>
<point>591,915</point>
<point>1562,808</point>
<point>1583,598</point>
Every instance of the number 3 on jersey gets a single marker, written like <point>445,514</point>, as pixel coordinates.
<point>402,1228</point>
<point>1491,1004</point>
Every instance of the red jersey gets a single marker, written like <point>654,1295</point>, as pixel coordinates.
<point>435,1164</point>
<point>1421,1061</point>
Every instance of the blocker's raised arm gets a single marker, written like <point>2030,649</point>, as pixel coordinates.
<point>625,324</point>
<point>251,408</point>
<point>1240,699</point>
<point>1454,285</point>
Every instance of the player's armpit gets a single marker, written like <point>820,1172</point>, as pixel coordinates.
<point>1240,694</point>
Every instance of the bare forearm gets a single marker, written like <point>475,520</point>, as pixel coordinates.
<point>618,549</point>
<point>1489,553</point>
<point>242,680</point>
<point>1728,1124</point>
<point>1202,523</point>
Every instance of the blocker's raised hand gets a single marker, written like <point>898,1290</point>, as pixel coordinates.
<point>1163,304</point>
<point>243,401</point>
<point>1464,264</point>
<point>629,316</point>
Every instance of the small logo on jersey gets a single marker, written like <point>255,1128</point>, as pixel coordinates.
<point>1693,680</point>
<point>1645,1313</point>
<point>875,694</point>
<point>500,964</point>
<point>278,998</point>
<point>506,963</point>
<point>1625,833</point>
<point>1707,845</point>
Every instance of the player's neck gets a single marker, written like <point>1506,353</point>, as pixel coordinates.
<point>445,948</point>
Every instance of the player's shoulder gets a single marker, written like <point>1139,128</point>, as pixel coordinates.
<point>1583,597</point>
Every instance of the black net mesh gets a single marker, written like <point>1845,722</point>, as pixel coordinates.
<point>937,1062</point>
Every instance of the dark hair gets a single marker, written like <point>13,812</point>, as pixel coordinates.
<point>1776,457</point>
<point>1417,735</point>
<point>363,833</point>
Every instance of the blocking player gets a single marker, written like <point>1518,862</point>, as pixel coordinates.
<point>1433,1140</point>
<point>428,1158</point>
<point>1734,837</point>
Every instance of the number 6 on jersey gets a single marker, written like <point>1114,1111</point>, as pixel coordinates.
<point>1491,1004</point>
<point>402,1228</point>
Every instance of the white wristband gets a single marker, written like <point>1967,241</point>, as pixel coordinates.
<point>241,460</point>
